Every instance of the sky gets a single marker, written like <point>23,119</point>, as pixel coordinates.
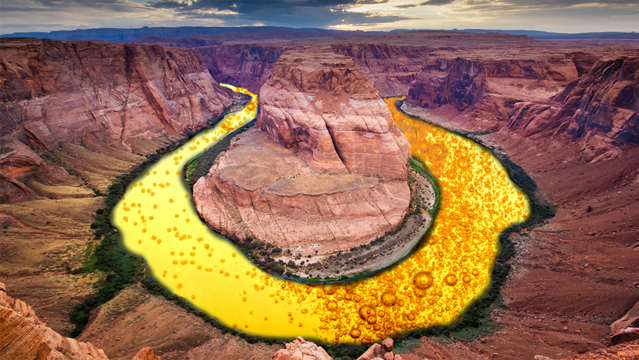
<point>568,16</point>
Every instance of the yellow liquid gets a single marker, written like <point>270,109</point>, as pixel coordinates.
<point>157,220</point>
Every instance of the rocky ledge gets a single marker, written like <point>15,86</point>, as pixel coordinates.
<point>324,170</point>
<point>80,112</point>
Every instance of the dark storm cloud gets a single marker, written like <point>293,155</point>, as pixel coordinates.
<point>566,3</point>
<point>296,13</point>
<point>244,6</point>
<point>426,3</point>
<point>56,5</point>
<point>250,6</point>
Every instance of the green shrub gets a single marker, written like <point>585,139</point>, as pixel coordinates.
<point>117,268</point>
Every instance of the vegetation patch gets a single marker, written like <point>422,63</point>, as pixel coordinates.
<point>117,268</point>
<point>199,166</point>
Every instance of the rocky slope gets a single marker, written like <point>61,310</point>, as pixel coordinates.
<point>75,116</point>
<point>391,68</point>
<point>577,273</point>
<point>245,65</point>
<point>513,68</point>
<point>23,336</point>
<point>574,275</point>
<point>113,100</point>
<point>324,170</point>
<point>390,61</point>
<point>482,89</point>
<point>600,109</point>
<point>135,318</point>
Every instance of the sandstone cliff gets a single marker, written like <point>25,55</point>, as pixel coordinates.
<point>325,169</point>
<point>481,88</point>
<point>245,65</point>
<point>600,109</point>
<point>136,318</point>
<point>112,100</point>
<point>391,68</point>
<point>25,337</point>
<point>322,104</point>
<point>393,61</point>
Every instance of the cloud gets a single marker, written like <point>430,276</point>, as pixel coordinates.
<point>541,4</point>
<point>549,15</point>
<point>426,3</point>
<point>53,5</point>
<point>296,13</point>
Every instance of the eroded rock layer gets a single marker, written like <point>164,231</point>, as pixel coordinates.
<point>329,110</point>
<point>23,336</point>
<point>324,170</point>
<point>601,109</point>
<point>111,99</point>
<point>482,89</point>
<point>245,65</point>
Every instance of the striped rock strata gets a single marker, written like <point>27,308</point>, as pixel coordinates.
<point>325,168</point>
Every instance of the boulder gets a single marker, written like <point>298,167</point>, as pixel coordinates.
<point>383,351</point>
<point>375,351</point>
<point>301,349</point>
<point>146,354</point>
<point>387,344</point>
<point>627,328</point>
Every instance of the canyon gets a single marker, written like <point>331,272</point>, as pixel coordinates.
<point>74,117</point>
<point>111,103</point>
<point>566,113</point>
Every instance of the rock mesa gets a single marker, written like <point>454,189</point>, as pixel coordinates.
<point>324,169</point>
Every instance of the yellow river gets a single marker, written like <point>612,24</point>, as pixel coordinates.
<point>158,221</point>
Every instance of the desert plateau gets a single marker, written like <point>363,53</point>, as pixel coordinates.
<point>264,188</point>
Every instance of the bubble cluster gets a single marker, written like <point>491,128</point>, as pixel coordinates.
<point>432,287</point>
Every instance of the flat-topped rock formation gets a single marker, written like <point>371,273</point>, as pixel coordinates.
<point>324,169</point>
